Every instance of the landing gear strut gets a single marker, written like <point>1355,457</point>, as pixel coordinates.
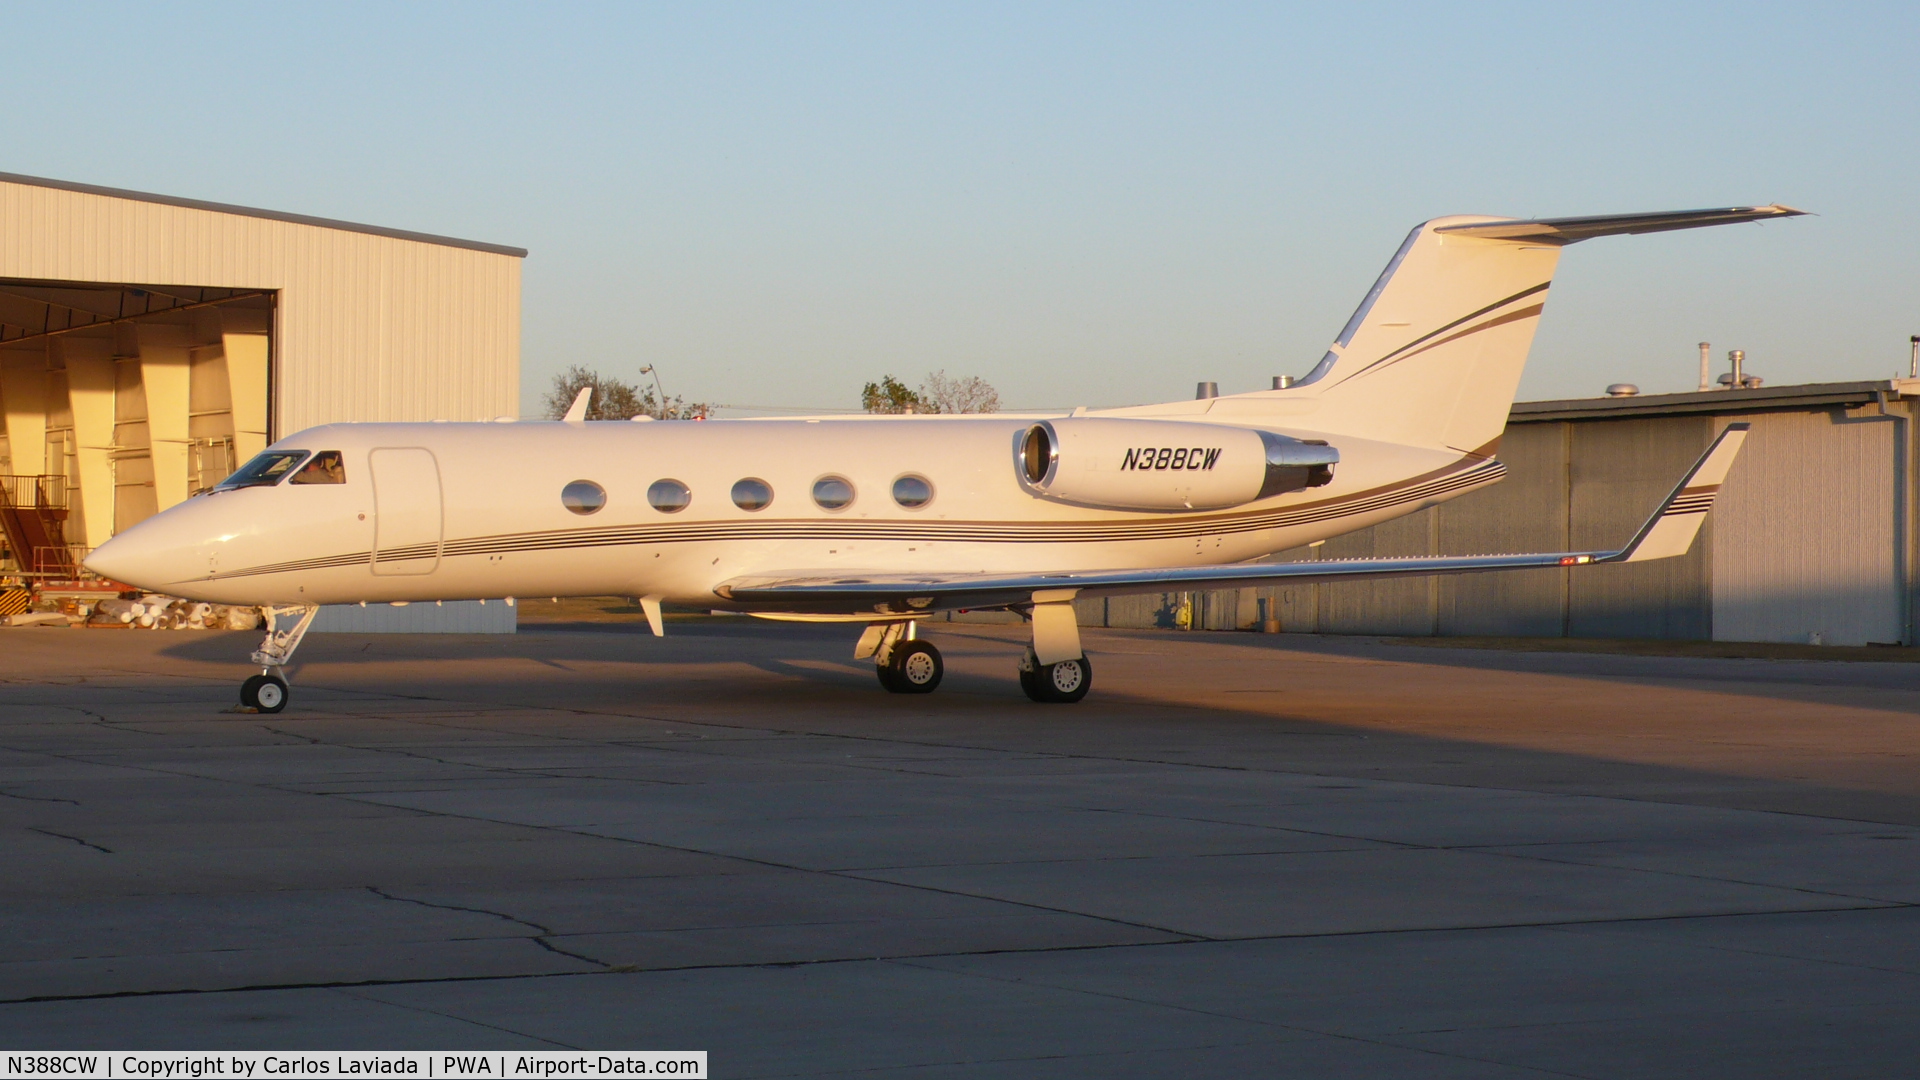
<point>903,663</point>
<point>1055,669</point>
<point>267,691</point>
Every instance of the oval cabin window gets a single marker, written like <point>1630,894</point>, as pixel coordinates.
<point>752,494</point>
<point>832,492</point>
<point>669,496</point>
<point>912,492</point>
<point>583,497</point>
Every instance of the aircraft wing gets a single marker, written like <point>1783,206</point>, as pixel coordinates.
<point>1669,532</point>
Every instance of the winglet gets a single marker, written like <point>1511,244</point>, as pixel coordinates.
<point>578,410</point>
<point>1671,529</point>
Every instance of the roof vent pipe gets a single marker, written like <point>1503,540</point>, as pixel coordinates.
<point>1281,382</point>
<point>1706,362</point>
<point>1913,367</point>
<point>1622,389</point>
<point>1737,357</point>
<point>1206,390</point>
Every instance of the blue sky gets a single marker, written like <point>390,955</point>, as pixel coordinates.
<point>1084,204</point>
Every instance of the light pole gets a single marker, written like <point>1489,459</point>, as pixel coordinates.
<point>648,370</point>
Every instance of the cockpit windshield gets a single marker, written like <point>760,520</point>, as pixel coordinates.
<point>265,470</point>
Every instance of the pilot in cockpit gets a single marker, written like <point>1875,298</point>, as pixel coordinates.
<point>325,468</point>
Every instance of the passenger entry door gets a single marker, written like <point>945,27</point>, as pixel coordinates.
<point>406,510</point>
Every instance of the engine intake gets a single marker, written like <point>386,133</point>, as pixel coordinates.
<point>1117,464</point>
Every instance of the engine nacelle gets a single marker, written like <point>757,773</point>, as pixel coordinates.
<point>1117,464</point>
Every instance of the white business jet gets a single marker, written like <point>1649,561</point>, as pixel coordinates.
<point>886,520</point>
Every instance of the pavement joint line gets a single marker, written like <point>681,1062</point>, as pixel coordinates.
<point>1213,1014</point>
<point>1882,901</point>
<point>1187,941</point>
<point>1414,845</point>
<point>348,991</point>
<point>36,798</point>
<point>1097,1056</point>
<point>1067,861</point>
<point>1770,953</point>
<point>1798,1010</point>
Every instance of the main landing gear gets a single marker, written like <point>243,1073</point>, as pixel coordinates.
<point>903,663</point>
<point>1063,683</point>
<point>267,691</point>
<point>1054,670</point>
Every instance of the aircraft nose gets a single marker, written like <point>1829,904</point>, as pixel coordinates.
<point>125,558</point>
<point>160,552</point>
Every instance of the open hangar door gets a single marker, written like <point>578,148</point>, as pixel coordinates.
<point>120,401</point>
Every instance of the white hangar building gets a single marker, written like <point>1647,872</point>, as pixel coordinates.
<point>150,344</point>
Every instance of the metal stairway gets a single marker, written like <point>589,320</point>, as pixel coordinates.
<point>33,515</point>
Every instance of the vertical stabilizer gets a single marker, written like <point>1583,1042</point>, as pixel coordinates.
<point>1433,355</point>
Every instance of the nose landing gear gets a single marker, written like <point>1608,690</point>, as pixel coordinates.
<point>267,691</point>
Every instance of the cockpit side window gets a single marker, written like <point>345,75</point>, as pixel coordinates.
<point>265,470</point>
<point>325,468</point>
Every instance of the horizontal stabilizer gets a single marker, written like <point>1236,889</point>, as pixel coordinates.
<point>1571,230</point>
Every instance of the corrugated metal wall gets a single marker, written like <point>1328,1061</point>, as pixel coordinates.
<point>1618,471</point>
<point>1528,511</point>
<point>370,327</point>
<point>1807,536</point>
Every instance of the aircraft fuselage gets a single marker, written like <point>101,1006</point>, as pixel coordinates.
<point>446,511</point>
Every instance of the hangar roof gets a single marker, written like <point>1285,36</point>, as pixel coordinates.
<point>1799,396</point>
<point>271,215</point>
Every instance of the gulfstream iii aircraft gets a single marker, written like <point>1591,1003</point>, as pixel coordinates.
<point>885,520</point>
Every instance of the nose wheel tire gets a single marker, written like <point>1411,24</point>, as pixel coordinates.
<point>914,668</point>
<point>268,693</point>
<point>1063,683</point>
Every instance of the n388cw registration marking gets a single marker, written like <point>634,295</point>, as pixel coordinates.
<point>1159,458</point>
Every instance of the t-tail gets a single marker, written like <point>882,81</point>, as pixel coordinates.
<point>1433,355</point>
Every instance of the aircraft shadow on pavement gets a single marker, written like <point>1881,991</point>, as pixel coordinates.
<point>1285,714</point>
